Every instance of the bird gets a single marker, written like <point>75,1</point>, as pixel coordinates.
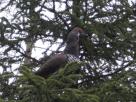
<point>70,54</point>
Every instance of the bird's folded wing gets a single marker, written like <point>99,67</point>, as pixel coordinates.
<point>52,65</point>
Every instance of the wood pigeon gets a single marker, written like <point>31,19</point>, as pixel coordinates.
<point>70,54</point>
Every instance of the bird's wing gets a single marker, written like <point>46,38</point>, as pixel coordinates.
<point>52,65</point>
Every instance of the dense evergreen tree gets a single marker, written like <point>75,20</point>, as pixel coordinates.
<point>107,70</point>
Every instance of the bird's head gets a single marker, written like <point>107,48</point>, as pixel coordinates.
<point>75,34</point>
<point>72,46</point>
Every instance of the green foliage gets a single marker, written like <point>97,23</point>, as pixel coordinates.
<point>60,87</point>
<point>109,50</point>
<point>119,87</point>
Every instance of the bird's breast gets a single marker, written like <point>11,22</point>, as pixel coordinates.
<point>72,58</point>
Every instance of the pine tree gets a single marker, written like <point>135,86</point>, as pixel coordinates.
<point>107,70</point>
